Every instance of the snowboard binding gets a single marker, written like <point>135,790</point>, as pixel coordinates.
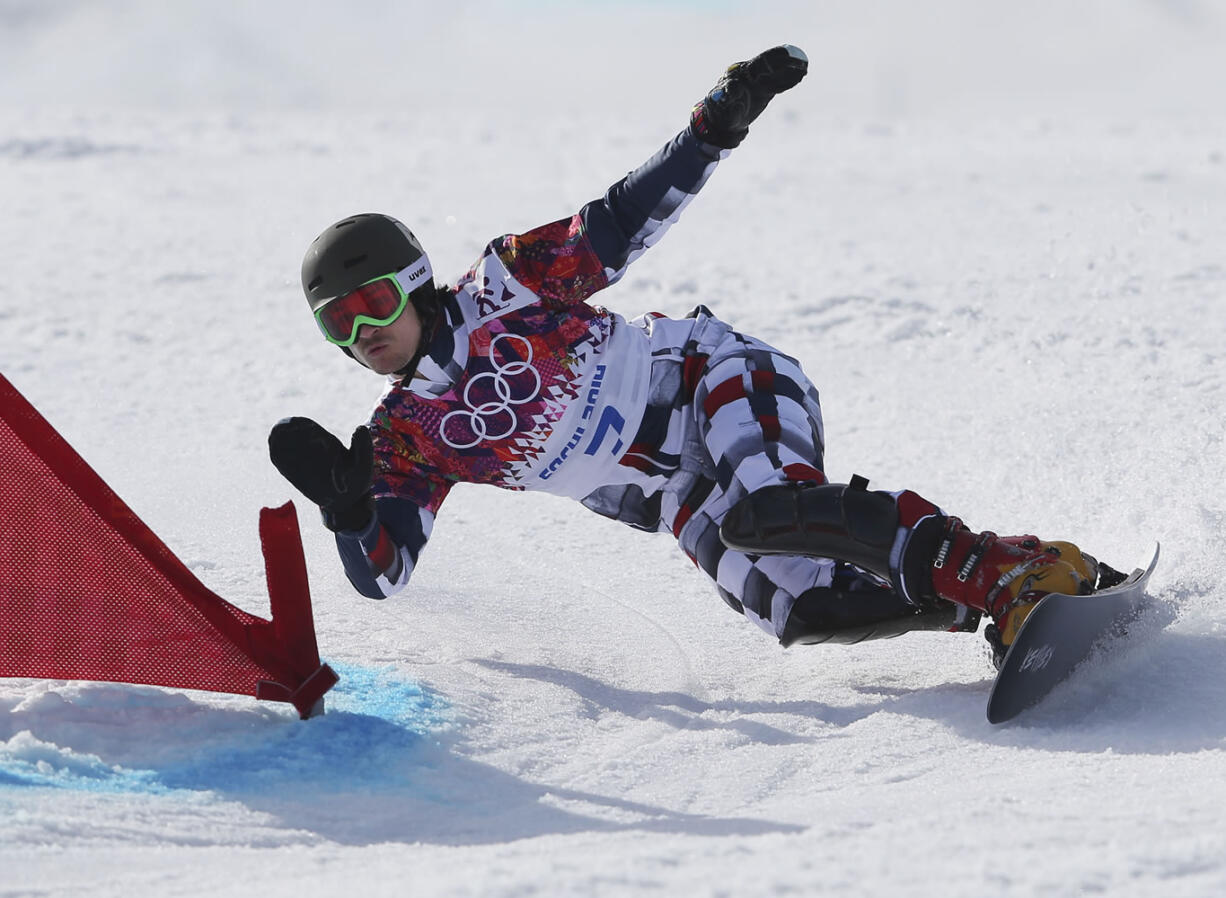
<point>1108,578</point>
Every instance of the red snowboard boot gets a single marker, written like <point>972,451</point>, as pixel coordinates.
<point>1005,576</point>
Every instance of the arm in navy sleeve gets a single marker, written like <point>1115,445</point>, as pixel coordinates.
<point>636,211</point>
<point>380,558</point>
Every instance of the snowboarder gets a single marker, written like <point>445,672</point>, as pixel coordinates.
<point>511,377</point>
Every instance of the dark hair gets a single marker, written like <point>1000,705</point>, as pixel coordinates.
<point>428,301</point>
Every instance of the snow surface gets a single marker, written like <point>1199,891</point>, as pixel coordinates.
<point>993,232</point>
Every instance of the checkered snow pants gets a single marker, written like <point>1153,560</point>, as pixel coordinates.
<point>728,414</point>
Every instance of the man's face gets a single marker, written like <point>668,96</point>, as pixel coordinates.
<point>391,347</point>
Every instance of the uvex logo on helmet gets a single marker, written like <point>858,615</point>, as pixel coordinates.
<point>420,273</point>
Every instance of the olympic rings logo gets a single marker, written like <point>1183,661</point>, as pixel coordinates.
<point>485,420</point>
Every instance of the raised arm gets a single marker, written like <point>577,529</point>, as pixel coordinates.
<point>566,261</point>
<point>637,210</point>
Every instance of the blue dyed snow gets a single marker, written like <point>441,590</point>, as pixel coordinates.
<point>379,692</point>
<point>376,724</point>
<point>69,770</point>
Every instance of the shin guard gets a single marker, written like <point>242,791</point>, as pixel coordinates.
<point>842,616</point>
<point>892,536</point>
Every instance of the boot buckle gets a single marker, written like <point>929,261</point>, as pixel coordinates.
<point>975,555</point>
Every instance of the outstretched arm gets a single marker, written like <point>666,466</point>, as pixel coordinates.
<point>566,261</point>
<point>640,208</point>
<point>637,210</point>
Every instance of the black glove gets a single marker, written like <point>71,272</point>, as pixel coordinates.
<point>723,116</point>
<point>333,477</point>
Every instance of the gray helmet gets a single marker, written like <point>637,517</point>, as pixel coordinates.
<point>359,249</point>
<point>353,251</point>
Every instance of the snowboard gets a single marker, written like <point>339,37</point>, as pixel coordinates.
<point>1061,632</point>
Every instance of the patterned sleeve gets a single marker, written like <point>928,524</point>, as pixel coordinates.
<point>566,261</point>
<point>380,559</point>
<point>555,261</point>
<point>637,210</point>
<point>408,491</point>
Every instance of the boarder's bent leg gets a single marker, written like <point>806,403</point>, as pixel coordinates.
<point>926,555</point>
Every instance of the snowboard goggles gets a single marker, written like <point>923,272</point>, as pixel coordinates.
<point>378,302</point>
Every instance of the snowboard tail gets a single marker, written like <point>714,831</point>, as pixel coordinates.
<point>1059,634</point>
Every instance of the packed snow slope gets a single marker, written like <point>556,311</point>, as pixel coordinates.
<point>994,233</point>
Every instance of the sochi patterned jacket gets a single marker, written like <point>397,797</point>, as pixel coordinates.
<point>527,386</point>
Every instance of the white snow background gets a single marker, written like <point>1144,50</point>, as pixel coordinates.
<point>995,233</point>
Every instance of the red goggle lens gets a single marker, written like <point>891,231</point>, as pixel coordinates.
<point>378,303</point>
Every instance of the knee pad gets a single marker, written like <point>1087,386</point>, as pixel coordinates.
<point>831,520</point>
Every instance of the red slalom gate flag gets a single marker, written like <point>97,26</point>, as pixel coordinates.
<point>89,592</point>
